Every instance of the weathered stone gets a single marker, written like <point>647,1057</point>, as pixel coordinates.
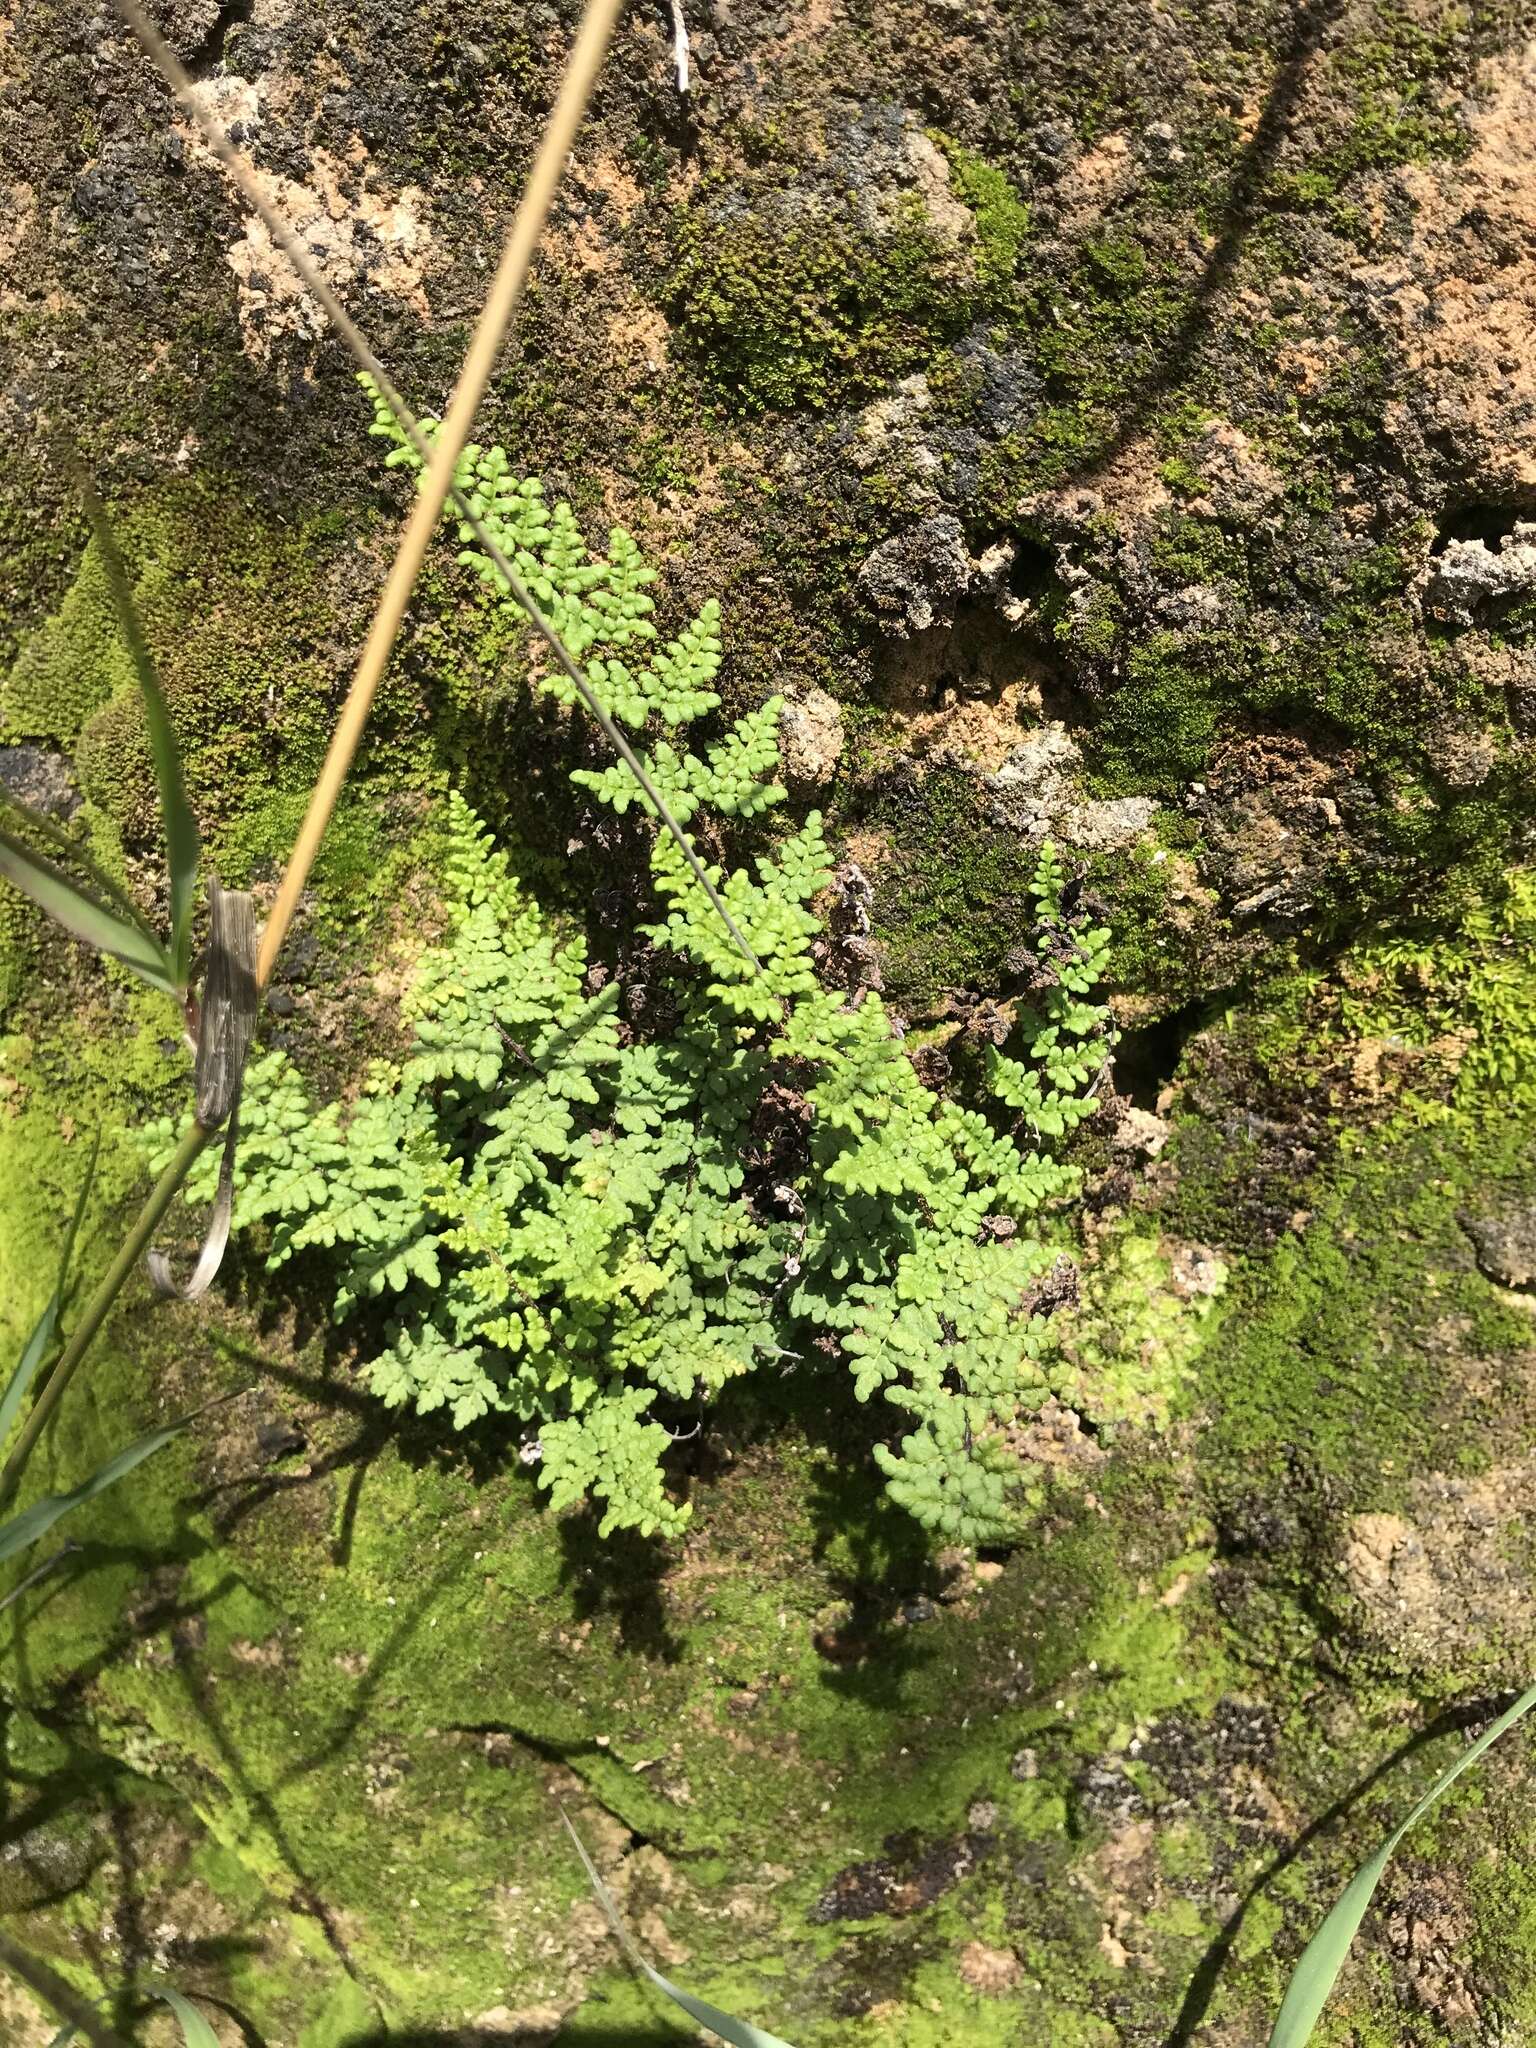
<point>1506,1246</point>
<point>811,735</point>
<point>42,780</point>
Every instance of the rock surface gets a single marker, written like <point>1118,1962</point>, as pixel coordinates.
<point>1110,423</point>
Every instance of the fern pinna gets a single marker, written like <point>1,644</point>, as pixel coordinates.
<point>558,1213</point>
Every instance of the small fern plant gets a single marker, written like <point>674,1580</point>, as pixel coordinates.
<point>592,1230</point>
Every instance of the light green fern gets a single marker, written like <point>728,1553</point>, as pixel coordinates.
<point>592,1231</point>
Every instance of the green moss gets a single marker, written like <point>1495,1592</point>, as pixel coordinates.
<point>1500,1890</point>
<point>1190,550</point>
<point>1115,262</point>
<point>799,302</point>
<point>1158,731</point>
<point>1397,83</point>
<point>1001,217</point>
<point>365,1671</point>
<point>1365,1348</point>
<point>1133,1342</point>
<point>1167,931</point>
<point>18,946</point>
<point>227,601</point>
<point>1091,336</point>
<point>951,904</point>
<point>1092,626</point>
<point>1181,476</point>
<point>359,1668</point>
<point>70,666</point>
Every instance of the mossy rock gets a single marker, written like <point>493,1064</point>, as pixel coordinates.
<point>72,666</point>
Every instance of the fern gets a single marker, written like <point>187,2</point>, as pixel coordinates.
<point>561,1222</point>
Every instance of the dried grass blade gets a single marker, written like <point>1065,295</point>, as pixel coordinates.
<point>283,235</point>
<point>506,291</point>
<point>215,1237</point>
<point>228,1015</point>
<point>227,1019</point>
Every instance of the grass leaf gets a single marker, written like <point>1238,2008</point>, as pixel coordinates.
<point>31,1358</point>
<point>37,1344</point>
<point>66,1256</point>
<point>24,1529</point>
<point>33,1578</point>
<point>739,2033</point>
<point>182,845</point>
<point>69,905</point>
<point>1323,1957</point>
<point>38,822</point>
<point>195,2030</point>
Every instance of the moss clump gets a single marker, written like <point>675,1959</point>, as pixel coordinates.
<point>1399,85</point>
<point>952,903</point>
<point>1001,217</point>
<point>1134,1340</point>
<point>70,666</point>
<point>950,909</point>
<point>18,945</point>
<point>231,604</point>
<point>1333,1360</point>
<point>1167,931</point>
<point>1161,722</point>
<point>795,301</point>
<point>1091,337</point>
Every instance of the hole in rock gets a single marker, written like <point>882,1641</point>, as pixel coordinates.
<point>209,54</point>
<point>980,656</point>
<point>1491,524</point>
<point>1032,575</point>
<point>1148,1055</point>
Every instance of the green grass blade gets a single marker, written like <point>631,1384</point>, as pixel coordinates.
<point>182,846</point>
<point>31,1358</point>
<point>24,1529</point>
<point>1323,1957</point>
<point>73,851</point>
<point>68,904</point>
<point>66,1256</point>
<point>42,1336</point>
<point>33,1578</point>
<point>739,2033</point>
<point>195,2030</point>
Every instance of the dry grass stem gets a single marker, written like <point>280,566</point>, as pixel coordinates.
<point>249,186</point>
